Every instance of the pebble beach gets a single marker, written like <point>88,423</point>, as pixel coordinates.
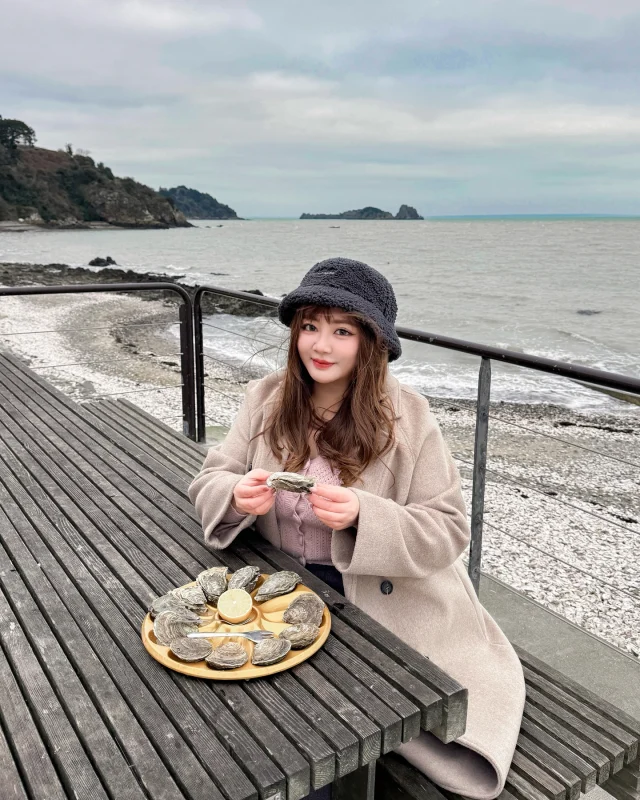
<point>562,506</point>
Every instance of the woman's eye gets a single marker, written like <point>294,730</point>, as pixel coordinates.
<point>344,332</point>
<point>308,326</point>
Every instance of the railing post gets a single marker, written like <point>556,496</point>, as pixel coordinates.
<point>199,361</point>
<point>186,369</point>
<point>479,472</point>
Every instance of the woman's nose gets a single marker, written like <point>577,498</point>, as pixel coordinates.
<point>323,342</point>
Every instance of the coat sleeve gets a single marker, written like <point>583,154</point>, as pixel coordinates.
<point>211,491</point>
<point>417,539</point>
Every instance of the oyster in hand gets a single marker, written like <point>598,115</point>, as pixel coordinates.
<point>277,584</point>
<point>291,482</point>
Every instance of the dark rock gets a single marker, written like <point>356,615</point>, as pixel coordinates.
<point>408,212</point>
<point>102,262</point>
<point>587,312</point>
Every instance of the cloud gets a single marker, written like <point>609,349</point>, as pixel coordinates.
<point>334,104</point>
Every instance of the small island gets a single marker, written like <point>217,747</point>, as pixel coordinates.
<point>67,189</point>
<point>369,212</point>
<point>198,205</point>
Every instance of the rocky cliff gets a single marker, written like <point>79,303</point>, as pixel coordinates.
<point>198,205</point>
<point>56,188</point>
<point>369,212</point>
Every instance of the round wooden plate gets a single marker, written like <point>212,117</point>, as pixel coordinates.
<point>265,616</point>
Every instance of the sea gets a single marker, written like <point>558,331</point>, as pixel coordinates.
<point>564,288</point>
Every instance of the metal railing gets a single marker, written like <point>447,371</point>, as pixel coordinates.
<point>186,332</point>
<point>487,354</point>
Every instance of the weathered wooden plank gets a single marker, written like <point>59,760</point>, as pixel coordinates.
<point>603,707</point>
<point>338,735</point>
<point>594,719</point>
<point>160,502</point>
<point>32,759</point>
<point>522,788</point>
<point>120,616</point>
<point>587,773</point>
<point>320,755</point>
<point>537,777</point>
<point>191,452</point>
<point>454,696</point>
<point>551,766</point>
<point>406,710</point>
<point>109,415</point>
<point>579,746</point>
<point>612,750</point>
<point>124,727</point>
<point>94,736</point>
<point>378,712</point>
<point>368,733</point>
<point>10,780</point>
<point>76,771</point>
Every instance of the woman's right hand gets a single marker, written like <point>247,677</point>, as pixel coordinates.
<point>252,495</point>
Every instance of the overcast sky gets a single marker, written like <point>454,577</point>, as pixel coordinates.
<point>283,106</point>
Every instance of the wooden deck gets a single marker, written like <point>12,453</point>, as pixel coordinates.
<point>94,523</point>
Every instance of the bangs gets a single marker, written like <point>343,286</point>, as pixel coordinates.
<point>325,312</point>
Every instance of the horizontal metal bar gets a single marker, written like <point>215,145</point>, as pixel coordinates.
<point>136,391</point>
<point>101,361</point>
<point>85,330</point>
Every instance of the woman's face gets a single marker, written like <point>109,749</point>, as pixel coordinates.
<point>329,348</point>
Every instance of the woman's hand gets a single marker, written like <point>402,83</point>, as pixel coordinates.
<point>252,495</point>
<point>336,506</point>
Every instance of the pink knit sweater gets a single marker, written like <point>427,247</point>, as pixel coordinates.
<point>303,535</point>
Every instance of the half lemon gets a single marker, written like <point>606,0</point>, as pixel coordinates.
<point>235,605</point>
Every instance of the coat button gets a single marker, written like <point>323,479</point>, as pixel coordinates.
<point>386,587</point>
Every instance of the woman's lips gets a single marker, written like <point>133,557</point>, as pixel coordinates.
<point>321,364</point>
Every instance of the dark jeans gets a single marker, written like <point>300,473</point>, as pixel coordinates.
<point>320,794</point>
<point>330,575</point>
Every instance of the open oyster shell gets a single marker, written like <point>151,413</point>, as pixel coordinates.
<point>277,584</point>
<point>305,607</point>
<point>291,482</point>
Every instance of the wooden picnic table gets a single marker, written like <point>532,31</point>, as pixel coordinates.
<point>94,523</point>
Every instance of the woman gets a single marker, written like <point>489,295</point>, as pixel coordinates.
<point>386,523</point>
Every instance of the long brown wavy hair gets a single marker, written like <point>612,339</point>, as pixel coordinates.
<point>363,427</point>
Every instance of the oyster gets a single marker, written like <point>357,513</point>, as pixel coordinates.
<point>277,584</point>
<point>270,651</point>
<point>245,578</point>
<point>300,635</point>
<point>306,607</point>
<point>213,583</point>
<point>192,597</point>
<point>227,656</point>
<point>171,625</point>
<point>169,602</point>
<point>190,649</point>
<point>291,482</point>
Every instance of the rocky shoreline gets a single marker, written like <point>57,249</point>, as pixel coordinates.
<point>562,506</point>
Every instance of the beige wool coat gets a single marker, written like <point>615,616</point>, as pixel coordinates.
<point>412,530</point>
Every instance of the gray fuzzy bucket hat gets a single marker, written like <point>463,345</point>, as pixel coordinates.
<point>351,286</point>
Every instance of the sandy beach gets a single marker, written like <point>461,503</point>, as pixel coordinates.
<point>562,523</point>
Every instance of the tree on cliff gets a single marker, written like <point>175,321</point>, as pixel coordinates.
<point>14,132</point>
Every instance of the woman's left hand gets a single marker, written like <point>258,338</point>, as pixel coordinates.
<point>336,506</point>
